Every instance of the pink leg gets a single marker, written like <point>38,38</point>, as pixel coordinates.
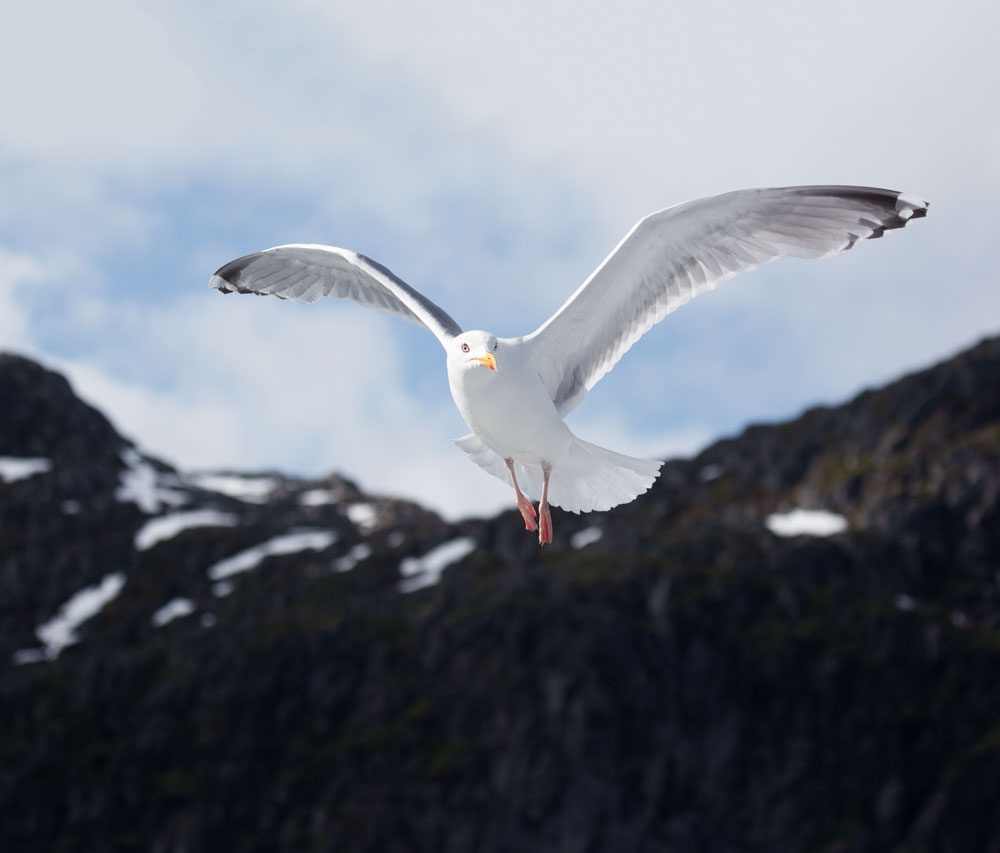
<point>523,504</point>
<point>544,516</point>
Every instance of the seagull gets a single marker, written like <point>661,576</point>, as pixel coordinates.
<point>515,392</point>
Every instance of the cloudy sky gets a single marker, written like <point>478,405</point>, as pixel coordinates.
<point>491,155</point>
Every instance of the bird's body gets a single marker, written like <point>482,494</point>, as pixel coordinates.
<point>512,417</point>
<point>486,400</point>
<point>514,392</point>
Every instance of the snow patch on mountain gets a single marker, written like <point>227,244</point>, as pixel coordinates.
<point>806,522</point>
<point>288,543</point>
<point>13,468</point>
<point>583,538</point>
<point>60,631</point>
<point>419,572</point>
<point>165,527</point>
<point>173,609</point>
<point>141,484</point>
<point>250,488</point>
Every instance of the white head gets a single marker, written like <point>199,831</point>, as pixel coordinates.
<point>474,351</point>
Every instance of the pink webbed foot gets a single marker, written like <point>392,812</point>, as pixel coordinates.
<point>544,526</point>
<point>527,513</point>
<point>523,504</point>
<point>544,516</point>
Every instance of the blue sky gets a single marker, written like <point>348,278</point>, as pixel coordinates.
<point>491,157</point>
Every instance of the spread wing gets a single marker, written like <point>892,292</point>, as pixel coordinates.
<point>672,256</point>
<point>305,273</point>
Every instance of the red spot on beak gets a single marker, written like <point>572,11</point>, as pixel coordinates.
<point>489,361</point>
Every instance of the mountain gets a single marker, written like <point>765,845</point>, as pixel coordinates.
<point>244,662</point>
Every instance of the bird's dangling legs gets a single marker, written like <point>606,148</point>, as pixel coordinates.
<point>544,516</point>
<point>523,504</point>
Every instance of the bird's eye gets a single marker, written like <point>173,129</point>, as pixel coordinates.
<point>465,347</point>
<point>495,347</point>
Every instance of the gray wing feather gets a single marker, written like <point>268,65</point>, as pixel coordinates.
<point>306,273</point>
<point>672,256</point>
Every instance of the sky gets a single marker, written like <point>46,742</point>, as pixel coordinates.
<point>490,156</point>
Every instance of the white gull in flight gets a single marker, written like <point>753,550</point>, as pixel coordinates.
<point>515,392</point>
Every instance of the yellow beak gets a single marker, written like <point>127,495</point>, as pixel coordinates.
<point>489,361</point>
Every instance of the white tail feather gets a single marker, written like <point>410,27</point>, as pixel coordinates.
<point>591,479</point>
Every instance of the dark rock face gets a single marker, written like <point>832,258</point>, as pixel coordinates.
<point>65,529</point>
<point>688,681</point>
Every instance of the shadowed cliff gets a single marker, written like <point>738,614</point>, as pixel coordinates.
<point>265,662</point>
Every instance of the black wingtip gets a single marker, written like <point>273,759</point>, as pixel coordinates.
<point>227,278</point>
<point>896,208</point>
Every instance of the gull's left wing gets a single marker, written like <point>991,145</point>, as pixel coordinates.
<point>671,256</point>
<point>305,273</point>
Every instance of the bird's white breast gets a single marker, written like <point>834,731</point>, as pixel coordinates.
<point>510,410</point>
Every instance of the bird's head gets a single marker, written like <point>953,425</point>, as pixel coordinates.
<point>474,351</point>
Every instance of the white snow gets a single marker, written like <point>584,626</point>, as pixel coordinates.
<point>364,516</point>
<point>168,526</point>
<point>582,538</point>
<point>60,630</point>
<point>711,472</point>
<point>288,543</point>
<point>419,572</point>
<point>904,602</point>
<point>20,468</point>
<point>139,484</point>
<point>352,558</point>
<point>173,609</point>
<point>806,522</point>
<point>222,589</point>
<point>250,489</point>
<point>22,656</point>
<point>318,497</point>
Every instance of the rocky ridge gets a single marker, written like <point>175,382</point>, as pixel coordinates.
<point>265,662</point>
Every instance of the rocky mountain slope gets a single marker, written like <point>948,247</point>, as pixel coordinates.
<point>236,662</point>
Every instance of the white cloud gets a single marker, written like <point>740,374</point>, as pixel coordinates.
<point>106,86</point>
<point>700,97</point>
<point>17,271</point>
<point>492,157</point>
<point>241,382</point>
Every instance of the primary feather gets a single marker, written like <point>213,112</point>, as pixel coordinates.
<point>305,273</point>
<point>672,256</point>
